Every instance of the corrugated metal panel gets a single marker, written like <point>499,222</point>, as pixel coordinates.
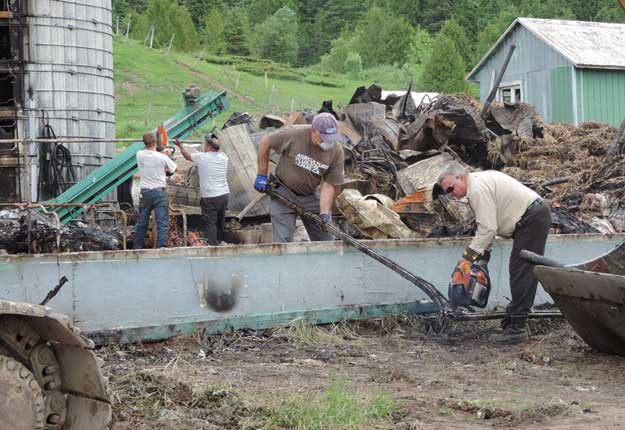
<point>601,95</point>
<point>585,44</point>
<point>531,64</point>
<point>69,79</point>
<point>561,94</point>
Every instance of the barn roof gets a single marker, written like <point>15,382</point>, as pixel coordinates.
<point>585,44</point>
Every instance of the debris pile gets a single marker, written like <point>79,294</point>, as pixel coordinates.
<point>570,166</point>
<point>394,152</point>
<point>395,149</point>
<point>29,230</point>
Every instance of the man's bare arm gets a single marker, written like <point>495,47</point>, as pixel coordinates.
<point>183,150</point>
<point>263,156</point>
<point>326,197</point>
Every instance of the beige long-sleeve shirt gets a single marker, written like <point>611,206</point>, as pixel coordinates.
<point>498,202</point>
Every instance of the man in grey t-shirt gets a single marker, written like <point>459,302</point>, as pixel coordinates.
<point>311,157</point>
<point>212,167</point>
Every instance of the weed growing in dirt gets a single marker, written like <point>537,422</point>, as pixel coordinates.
<point>304,332</point>
<point>445,411</point>
<point>338,407</point>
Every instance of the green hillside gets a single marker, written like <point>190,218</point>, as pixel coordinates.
<point>148,86</point>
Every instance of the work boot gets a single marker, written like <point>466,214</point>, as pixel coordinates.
<point>505,322</point>
<point>513,331</point>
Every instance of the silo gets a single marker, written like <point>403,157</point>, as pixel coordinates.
<point>66,83</point>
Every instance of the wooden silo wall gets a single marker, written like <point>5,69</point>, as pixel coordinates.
<point>69,78</point>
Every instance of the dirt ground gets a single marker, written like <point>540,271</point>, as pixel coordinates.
<point>457,380</point>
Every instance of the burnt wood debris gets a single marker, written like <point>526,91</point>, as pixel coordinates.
<point>395,147</point>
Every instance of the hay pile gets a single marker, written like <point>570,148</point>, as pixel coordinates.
<point>570,151</point>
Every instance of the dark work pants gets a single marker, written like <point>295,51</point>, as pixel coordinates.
<point>157,200</point>
<point>283,218</point>
<point>531,234</point>
<point>214,217</point>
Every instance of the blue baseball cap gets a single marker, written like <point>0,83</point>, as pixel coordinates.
<point>328,128</point>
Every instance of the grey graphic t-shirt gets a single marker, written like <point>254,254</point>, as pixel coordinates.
<point>303,165</point>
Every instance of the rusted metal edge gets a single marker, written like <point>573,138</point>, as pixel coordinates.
<point>270,249</point>
<point>257,322</point>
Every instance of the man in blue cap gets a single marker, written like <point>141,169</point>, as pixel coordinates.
<point>310,169</point>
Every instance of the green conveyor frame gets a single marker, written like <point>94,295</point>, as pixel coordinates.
<point>107,177</point>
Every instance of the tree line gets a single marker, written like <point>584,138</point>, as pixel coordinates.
<point>437,41</point>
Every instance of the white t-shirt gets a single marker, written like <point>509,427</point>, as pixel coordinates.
<point>152,166</point>
<point>212,167</point>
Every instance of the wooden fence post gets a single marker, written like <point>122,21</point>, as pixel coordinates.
<point>171,41</point>
<point>199,57</point>
<point>152,37</point>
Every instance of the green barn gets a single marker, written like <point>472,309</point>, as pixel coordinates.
<point>571,71</point>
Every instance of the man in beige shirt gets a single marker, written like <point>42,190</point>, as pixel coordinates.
<point>503,207</point>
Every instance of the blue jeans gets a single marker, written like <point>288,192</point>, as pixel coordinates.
<point>157,200</point>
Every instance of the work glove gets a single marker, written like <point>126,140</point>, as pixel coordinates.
<point>474,256</point>
<point>260,184</point>
<point>326,218</point>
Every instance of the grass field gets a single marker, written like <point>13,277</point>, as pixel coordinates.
<point>148,86</point>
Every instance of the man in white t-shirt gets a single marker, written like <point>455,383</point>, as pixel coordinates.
<point>153,169</point>
<point>212,167</point>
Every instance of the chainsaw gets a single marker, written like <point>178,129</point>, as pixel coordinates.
<point>469,285</point>
<point>162,144</point>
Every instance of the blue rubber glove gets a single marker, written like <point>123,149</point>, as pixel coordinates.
<point>260,184</point>
<point>327,218</point>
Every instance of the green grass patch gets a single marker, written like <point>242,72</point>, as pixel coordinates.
<point>338,407</point>
<point>149,85</point>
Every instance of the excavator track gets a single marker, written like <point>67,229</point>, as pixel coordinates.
<point>49,374</point>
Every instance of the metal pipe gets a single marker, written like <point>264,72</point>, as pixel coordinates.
<point>70,71</point>
<point>493,91</point>
<point>539,260</point>
<point>483,316</point>
<point>72,28</point>
<point>64,46</point>
<point>68,64</point>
